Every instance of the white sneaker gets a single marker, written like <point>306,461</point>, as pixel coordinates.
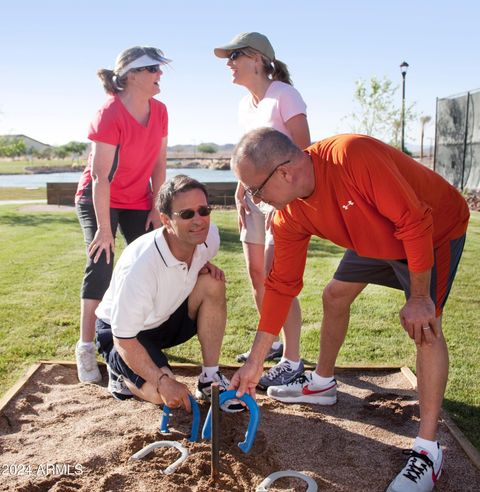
<point>301,389</point>
<point>87,367</point>
<point>420,473</point>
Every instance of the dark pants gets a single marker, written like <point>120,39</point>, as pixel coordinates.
<point>176,330</point>
<point>97,275</point>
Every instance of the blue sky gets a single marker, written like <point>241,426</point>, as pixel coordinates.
<point>52,49</point>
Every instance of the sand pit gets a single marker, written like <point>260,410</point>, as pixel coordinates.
<point>59,435</point>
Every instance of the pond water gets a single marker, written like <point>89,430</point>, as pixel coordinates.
<point>40,180</point>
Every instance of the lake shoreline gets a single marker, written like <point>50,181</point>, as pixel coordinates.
<point>214,163</point>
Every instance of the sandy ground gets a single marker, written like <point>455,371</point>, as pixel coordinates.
<point>60,435</point>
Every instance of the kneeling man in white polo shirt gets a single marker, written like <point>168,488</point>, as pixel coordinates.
<point>163,291</point>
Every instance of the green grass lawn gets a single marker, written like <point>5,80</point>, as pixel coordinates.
<point>42,259</point>
<point>23,193</point>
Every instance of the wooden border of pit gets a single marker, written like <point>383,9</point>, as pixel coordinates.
<point>457,434</point>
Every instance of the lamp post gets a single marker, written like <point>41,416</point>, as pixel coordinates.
<point>403,69</point>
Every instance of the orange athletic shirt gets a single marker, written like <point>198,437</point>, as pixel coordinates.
<point>368,197</point>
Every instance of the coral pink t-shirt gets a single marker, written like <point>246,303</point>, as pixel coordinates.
<point>138,148</point>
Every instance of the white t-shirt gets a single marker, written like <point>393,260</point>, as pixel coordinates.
<point>149,284</point>
<point>280,103</point>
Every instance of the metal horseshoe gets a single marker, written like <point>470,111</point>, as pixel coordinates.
<point>246,445</point>
<point>264,486</point>
<point>195,423</point>
<point>163,444</point>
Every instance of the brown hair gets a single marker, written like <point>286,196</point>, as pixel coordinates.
<point>178,184</point>
<point>112,83</point>
<point>274,69</point>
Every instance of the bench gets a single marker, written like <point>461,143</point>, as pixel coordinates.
<point>64,193</point>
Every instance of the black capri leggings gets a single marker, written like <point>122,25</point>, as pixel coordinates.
<point>97,275</point>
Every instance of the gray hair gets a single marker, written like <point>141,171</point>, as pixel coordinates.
<point>263,148</point>
<point>111,81</point>
<point>175,185</point>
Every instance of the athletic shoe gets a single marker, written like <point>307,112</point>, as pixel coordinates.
<point>117,387</point>
<point>302,390</point>
<point>420,473</point>
<point>204,392</point>
<point>279,374</point>
<point>87,367</point>
<point>273,354</point>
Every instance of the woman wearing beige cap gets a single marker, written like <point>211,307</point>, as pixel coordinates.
<point>124,172</point>
<point>272,101</point>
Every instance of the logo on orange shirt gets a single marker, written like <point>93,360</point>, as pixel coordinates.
<point>348,204</point>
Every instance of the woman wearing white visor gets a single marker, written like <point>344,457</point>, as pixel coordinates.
<point>125,170</point>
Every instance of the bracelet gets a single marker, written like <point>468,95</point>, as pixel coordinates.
<point>160,378</point>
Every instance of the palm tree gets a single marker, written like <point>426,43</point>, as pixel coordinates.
<point>423,121</point>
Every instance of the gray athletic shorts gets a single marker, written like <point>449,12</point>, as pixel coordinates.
<point>254,232</point>
<point>395,274</point>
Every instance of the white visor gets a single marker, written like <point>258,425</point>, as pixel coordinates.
<point>143,61</point>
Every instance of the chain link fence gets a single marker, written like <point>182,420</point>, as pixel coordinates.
<point>457,140</point>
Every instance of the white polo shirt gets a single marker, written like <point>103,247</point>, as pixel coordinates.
<point>149,284</point>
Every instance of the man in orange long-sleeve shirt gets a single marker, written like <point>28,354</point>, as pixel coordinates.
<point>403,227</point>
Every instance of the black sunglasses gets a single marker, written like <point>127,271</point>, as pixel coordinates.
<point>235,54</point>
<point>150,68</point>
<point>189,213</point>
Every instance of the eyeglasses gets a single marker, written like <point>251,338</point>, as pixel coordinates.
<point>150,68</point>
<point>189,213</point>
<point>235,54</point>
<point>257,192</point>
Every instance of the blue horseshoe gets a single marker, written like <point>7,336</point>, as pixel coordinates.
<point>195,422</point>
<point>246,445</point>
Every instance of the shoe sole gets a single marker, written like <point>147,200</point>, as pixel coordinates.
<point>95,380</point>
<point>120,396</point>
<point>200,396</point>
<point>319,400</point>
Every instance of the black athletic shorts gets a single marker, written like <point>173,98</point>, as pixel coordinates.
<point>395,274</point>
<point>176,330</point>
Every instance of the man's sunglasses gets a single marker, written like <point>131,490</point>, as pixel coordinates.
<point>236,54</point>
<point>150,68</point>
<point>189,213</point>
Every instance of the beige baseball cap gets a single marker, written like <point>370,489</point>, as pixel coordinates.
<point>253,40</point>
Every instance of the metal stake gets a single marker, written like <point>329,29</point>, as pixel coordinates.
<point>215,431</point>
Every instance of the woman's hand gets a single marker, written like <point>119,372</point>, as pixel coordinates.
<point>213,270</point>
<point>242,206</point>
<point>269,218</point>
<point>153,220</point>
<point>102,241</point>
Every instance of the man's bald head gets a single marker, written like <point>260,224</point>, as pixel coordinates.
<point>263,148</point>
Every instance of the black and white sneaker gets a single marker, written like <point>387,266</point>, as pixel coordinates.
<point>116,386</point>
<point>273,354</point>
<point>421,472</point>
<point>204,392</point>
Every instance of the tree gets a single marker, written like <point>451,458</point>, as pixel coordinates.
<point>75,149</point>
<point>12,147</point>
<point>423,121</point>
<point>207,148</point>
<point>378,112</point>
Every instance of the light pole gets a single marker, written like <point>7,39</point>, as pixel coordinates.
<point>403,69</point>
